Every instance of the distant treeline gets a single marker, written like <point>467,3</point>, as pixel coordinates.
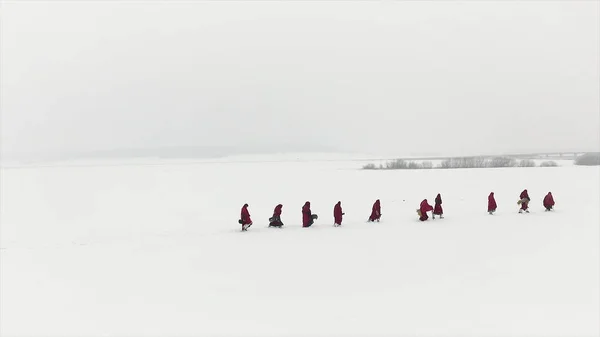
<point>461,162</point>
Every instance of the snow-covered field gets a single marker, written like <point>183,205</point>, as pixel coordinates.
<point>155,250</point>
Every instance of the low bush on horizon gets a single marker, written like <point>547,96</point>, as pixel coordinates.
<point>370,166</point>
<point>526,163</point>
<point>549,163</point>
<point>400,164</point>
<point>458,162</point>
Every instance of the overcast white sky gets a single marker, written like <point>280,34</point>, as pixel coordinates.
<point>382,77</point>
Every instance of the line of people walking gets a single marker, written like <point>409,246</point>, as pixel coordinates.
<point>308,217</point>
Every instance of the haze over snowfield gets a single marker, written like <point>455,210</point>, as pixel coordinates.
<point>394,78</point>
<point>156,250</point>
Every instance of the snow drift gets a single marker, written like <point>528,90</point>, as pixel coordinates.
<point>156,250</point>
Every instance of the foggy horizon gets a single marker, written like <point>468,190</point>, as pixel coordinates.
<point>389,79</point>
<point>200,152</point>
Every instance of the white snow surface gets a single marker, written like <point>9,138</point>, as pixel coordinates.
<point>156,250</point>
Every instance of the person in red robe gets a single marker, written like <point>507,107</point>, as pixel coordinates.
<point>375,212</point>
<point>307,218</point>
<point>524,201</point>
<point>245,220</point>
<point>424,208</point>
<point>275,220</point>
<point>437,210</point>
<point>277,210</point>
<point>549,201</point>
<point>337,214</point>
<point>491,203</point>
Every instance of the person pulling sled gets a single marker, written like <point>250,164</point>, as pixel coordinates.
<point>245,220</point>
<point>524,201</point>
<point>337,214</point>
<point>437,210</point>
<point>492,204</point>
<point>375,212</point>
<point>423,209</point>
<point>549,202</point>
<point>307,217</point>
<point>275,220</point>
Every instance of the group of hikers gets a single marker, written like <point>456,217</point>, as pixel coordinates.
<point>524,200</point>
<point>308,218</point>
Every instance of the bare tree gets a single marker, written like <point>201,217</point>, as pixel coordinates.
<point>502,162</point>
<point>479,162</point>
<point>548,164</point>
<point>414,165</point>
<point>427,165</point>
<point>369,167</point>
<point>526,163</point>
